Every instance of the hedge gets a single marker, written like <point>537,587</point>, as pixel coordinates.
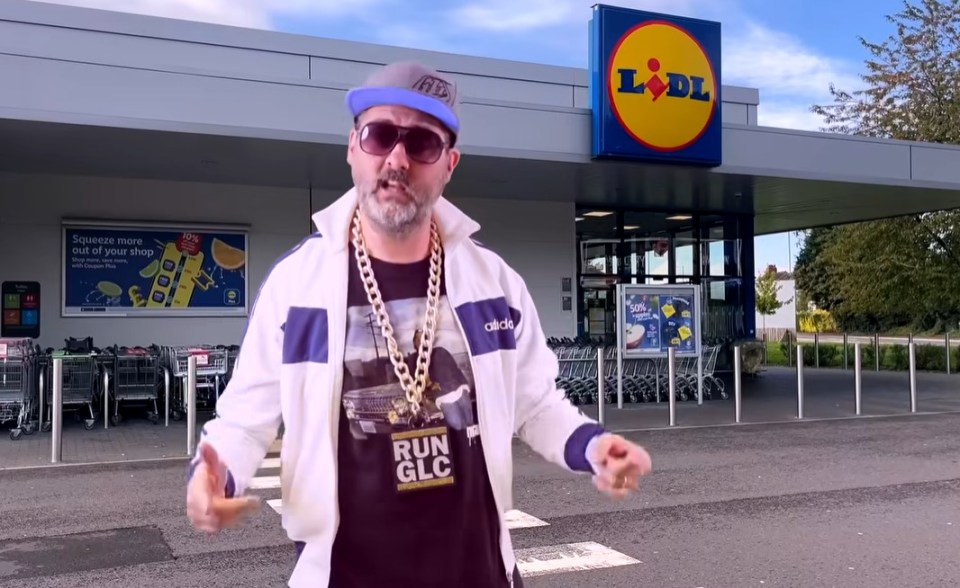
<point>930,358</point>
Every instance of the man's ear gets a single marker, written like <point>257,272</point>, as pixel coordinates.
<point>452,161</point>
<point>351,143</point>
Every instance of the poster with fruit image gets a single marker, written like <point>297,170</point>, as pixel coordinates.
<point>145,270</point>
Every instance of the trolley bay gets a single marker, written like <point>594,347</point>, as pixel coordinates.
<point>859,502</point>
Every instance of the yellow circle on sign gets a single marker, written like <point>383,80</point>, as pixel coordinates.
<point>661,86</point>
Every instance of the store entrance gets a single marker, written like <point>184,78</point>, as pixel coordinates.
<point>641,247</point>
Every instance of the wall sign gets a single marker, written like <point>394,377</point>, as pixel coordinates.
<point>146,270</point>
<point>655,87</point>
<point>21,310</point>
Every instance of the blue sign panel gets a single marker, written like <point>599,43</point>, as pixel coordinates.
<point>21,310</point>
<point>143,271</point>
<point>655,87</point>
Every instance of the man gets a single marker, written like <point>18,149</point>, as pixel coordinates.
<point>379,490</point>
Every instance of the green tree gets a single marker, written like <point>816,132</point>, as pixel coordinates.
<point>895,272</point>
<point>812,271</point>
<point>767,289</point>
<point>912,80</point>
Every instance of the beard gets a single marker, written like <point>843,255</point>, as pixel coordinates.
<point>393,216</point>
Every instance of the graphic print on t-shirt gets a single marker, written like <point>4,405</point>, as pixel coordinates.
<point>376,405</point>
<point>428,526</point>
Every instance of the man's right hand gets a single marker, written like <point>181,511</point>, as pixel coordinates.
<point>208,508</point>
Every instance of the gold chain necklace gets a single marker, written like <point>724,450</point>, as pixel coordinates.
<point>413,386</point>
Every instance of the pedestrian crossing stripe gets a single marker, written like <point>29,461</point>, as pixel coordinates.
<point>265,483</point>
<point>571,557</point>
<point>517,519</point>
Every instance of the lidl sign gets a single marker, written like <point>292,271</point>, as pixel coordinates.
<point>655,87</point>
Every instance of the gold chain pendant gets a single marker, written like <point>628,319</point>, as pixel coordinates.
<point>413,386</point>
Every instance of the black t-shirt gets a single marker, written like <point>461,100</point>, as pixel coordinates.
<point>416,506</point>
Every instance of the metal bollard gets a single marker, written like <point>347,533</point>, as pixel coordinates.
<point>737,366</point>
<point>876,348</point>
<point>845,361</point>
<point>799,381</point>
<point>43,399</point>
<point>672,374</point>
<point>191,405</point>
<point>601,393</point>
<point>816,350</point>
<point>106,399</point>
<point>913,377</point>
<point>56,410</point>
<point>947,338</point>
<point>858,378</point>
<point>166,397</point>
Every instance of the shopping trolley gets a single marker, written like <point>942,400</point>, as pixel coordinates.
<point>136,378</point>
<point>18,386</point>
<point>80,385</point>
<point>233,353</point>
<point>211,369</point>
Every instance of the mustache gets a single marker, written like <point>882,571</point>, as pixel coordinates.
<point>394,175</point>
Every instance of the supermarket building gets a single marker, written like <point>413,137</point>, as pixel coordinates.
<point>230,138</point>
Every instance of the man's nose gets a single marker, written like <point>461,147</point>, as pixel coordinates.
<point>398,159</point>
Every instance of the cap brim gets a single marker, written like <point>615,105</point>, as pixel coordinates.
<point>360,99</point>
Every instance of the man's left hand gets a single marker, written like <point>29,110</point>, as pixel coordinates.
<point>618,464</point>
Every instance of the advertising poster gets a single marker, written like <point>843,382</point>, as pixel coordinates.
<point>642,324</point>
<point>676,319</point>
<point>138,271</point>
<point>656,318</point>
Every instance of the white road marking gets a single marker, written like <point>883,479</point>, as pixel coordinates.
<point>517,519</point>
<point>270,463</point>
<point>572,557</point>
<point>276,504</point>
<point>265,483</point>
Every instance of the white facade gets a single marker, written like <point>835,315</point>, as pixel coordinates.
<point>33,206</point>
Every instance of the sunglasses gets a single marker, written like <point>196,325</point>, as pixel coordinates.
<point>421,144</point>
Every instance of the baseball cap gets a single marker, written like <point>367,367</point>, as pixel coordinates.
<point>412,85</point>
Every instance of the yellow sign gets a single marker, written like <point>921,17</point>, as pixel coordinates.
<point>662,86</point>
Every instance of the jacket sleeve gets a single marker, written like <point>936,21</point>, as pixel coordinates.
<point>248,412</point>
<point>545,418</point>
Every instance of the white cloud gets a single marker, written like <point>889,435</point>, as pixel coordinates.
<point>528,15</point>
<point>787,115</point>
<point>245,13</point>
<point>790,76</point>
<point>507,15</point>
<point>778,63</point>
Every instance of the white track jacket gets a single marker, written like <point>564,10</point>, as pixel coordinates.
<point>290,369</point>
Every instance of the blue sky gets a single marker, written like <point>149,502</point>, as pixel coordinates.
<point>790,50</point>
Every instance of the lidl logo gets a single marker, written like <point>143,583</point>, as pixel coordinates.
<point>657,87</point>
<point>662,87</point>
